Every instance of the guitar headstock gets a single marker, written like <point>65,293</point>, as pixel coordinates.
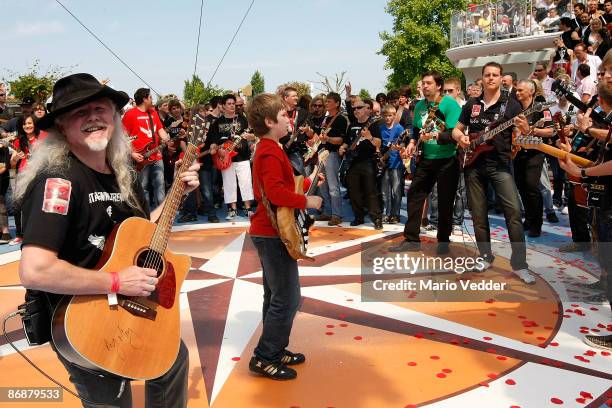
<point>561,88</point>
<point>323,155</point>
<point>197,127</point>
<point>528,142</point>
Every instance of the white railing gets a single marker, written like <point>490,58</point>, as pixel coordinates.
<point>504,20</point>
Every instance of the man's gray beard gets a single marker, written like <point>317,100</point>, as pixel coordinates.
<point>97,145</point>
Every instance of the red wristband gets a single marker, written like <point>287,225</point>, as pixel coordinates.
<point>115,282</point>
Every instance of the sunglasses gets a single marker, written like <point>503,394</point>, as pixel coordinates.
<point>239,106</point>
<point>538,70</point>
<point>358,107</point>
<point>601,73</point>
<point>317,106</point>
<point>449,90</point>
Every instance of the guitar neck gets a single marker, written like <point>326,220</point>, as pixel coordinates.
<point>173,200</point>
<point>314,183</point>
<point>553,151</point>
<point>494,132</point>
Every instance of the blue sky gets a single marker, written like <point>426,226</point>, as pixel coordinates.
<point>285,40</point>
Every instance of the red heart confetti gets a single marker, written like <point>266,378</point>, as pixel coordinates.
<point>556,401</point>
<point>235,358</point>
<point>492,375</point>
<point>605,353</point>
<point>487,338</point>
<point>589,353</point>
<point>330,326</point>
<point>329,333</point>
<point>357,337</point>
<point>502,358</point>
<point>434,357</point>
<point>586,395</point>
<point>484,384</point>
<point>510,382</point>
<point>412,363</point>
<point>580,400</point>
<point>441,375</point>
<point>447,370</point>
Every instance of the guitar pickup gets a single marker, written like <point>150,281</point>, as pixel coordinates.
<point>138,309</point>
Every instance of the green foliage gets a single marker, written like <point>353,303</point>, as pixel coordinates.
<point>34,84</point>
<point>257,82</point>
<point>302,87</point>
<point>195,92</point>
<point>364,94</point>
<point>419,39</point>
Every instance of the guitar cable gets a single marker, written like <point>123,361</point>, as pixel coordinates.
<point>20,312</point>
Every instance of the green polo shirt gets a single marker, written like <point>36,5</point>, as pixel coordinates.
<point>450,110</point>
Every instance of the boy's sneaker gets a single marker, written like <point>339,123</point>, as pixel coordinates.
<point>16,241</point>
<point>525,276</point>
<point>600,342</point>
<point>231,214</point>
<point>483,266</point>
<point>275,371</point>
<point>290,358</point>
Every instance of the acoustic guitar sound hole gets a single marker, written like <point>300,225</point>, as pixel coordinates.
<point>151,259</point>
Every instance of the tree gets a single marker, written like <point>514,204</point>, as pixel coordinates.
<point>419,39</point>
<point>302,87</point>
<point>364,94</point>
<point>257,82</point>
<point>335,84</point>
<point>34,84</point>
<point>195,92</point>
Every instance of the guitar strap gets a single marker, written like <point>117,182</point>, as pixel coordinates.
<point>432,111</point>
<point>602,151</point>
<point>153,130</point>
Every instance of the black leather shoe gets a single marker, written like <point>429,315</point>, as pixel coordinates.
<point>213,218</point>
<point>406,246</point>
<point>356,222</point>
<point>552,218</point>
<point>290,358</point>
<point>275,371</point>
<point>443,248</point>
<point>187,218</point>
<point>378,224</point>
<point>534,233</point>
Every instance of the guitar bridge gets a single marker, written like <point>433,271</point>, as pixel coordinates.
<point>138,309</point>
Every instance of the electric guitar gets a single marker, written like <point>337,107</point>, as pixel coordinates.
<point>381,164</point>
<point>479,141</point>
<point>223,158</point>
<point>138,337</point>
<point>350,153</point>
<point>147,152</point>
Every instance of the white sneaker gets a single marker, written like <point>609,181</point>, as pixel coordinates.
<point>565,211</point>
<point>483,266</point>
<point>457,230</point>
<point>231,214</point>
<point>525,276</point>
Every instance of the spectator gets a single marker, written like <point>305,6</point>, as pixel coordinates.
<point>562,58</point>
<point>551,22</point>
<point>484,23</point>
<point>541,74</point>
<point>583,58</point>
<point>585,85</point>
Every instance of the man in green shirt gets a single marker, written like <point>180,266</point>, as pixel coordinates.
<point>434,118</point>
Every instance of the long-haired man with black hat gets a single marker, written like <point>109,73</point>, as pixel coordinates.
<point>76,188</point>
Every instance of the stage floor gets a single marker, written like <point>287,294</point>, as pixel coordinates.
<point>364,354</point>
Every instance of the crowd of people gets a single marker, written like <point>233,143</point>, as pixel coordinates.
<point>516,18</point>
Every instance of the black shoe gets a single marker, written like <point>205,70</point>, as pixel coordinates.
<point>187,218</point>
<point>290,358</point>
<point>201,211</point>
<point>443,248</point>
<point>275,371</point>
<point>385,219</point>
<point>534,233</point>
<point>334,220</point>
<point>356,222</point>
<point>406,246</point>
<point>393,220</point>
<point>213,218</point>
<point>552,218</point>
<point>323,217</point>
<point>378,224</point>
<point>600,342</point>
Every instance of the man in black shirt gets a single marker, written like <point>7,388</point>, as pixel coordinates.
<point>294,142</point>
<point>81,186</point>
<point>231,128</point>
<point>360,146</point>
<point>493,108</point>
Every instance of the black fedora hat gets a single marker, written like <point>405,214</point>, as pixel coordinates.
<point>75,90</point>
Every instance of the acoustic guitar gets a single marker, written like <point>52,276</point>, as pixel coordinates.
<point>293,223</point>
<point>138,337</point>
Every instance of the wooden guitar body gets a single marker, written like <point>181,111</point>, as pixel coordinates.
<point>289,230</point>
<point>140,337</point>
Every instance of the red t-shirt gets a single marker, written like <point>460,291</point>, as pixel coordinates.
<point>22,163</point>
<point>272,168</point>
<point>137,123</point>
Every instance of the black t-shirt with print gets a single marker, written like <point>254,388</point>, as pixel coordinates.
<point>547,122</point>
<point>364,150</point>
<point>338,129</point>
<point>297,116</point>
<point>221,131</point>
<point>73,212</point>
<point>474,115</point>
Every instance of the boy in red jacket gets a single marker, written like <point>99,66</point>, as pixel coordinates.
<point>273,174</point>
